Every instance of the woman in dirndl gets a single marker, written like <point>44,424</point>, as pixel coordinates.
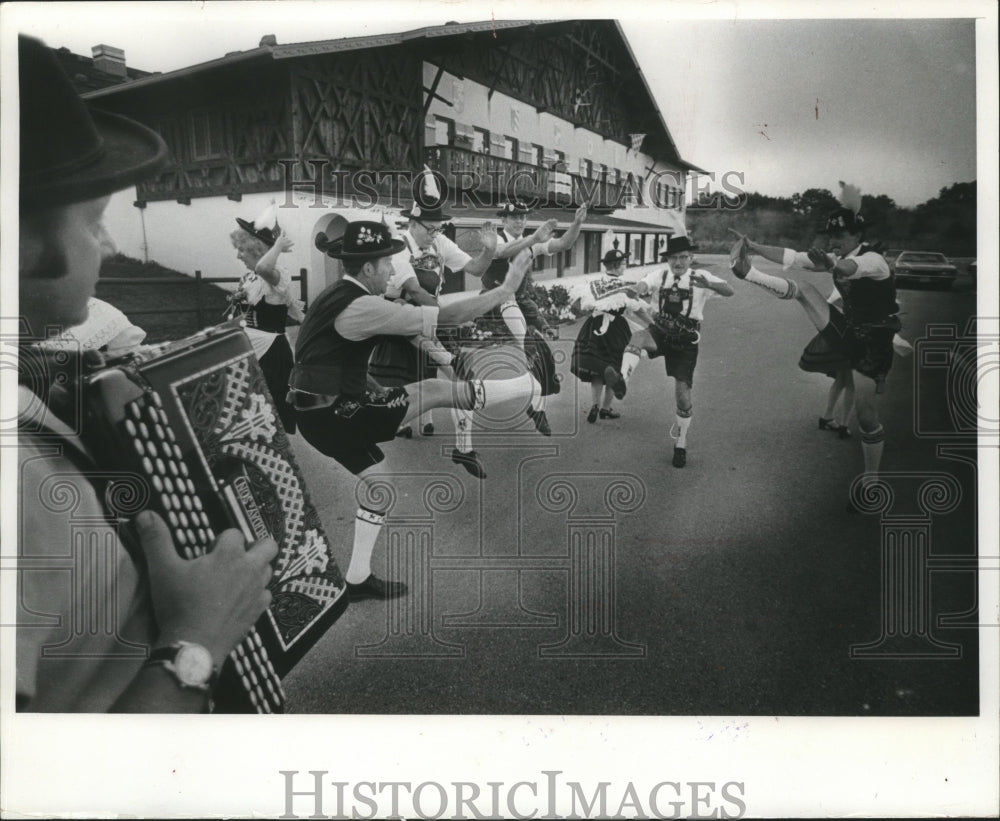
<point>820,357</point>
<point>605,333</point>
<point>264,302</point>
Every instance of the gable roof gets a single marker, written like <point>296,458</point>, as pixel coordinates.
<point>86,78</point>
<point>345,44</point>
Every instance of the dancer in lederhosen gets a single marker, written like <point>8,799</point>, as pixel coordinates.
<point>680,293</point>
<point>418,278</point>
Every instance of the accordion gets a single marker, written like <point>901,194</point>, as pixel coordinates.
<point>194,421</point>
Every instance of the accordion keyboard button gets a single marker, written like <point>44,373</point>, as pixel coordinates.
<point>130,428</point>
<point>144,430</point>
<point>161,468</point>
<point>147,465</point>
<point>173,519</point>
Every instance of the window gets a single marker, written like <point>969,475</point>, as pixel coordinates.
<point>539,154</point>
<point>206,135</point>
<point>510,148</point>
<point>480,140</point>
<point>444,131</point>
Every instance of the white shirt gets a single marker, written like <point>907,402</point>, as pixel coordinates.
<point>372,315</point>
<point>440,253</point>
<point>699,296</point>
<point>870,264</point>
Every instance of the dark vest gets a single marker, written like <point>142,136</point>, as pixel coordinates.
<point>326,362</point>
<point>497,273</point>
<point>867,300</point>
<point>267,317</point>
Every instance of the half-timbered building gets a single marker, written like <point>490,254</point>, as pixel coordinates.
<point>557,113</point>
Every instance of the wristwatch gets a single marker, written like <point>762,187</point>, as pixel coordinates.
<point>190,664</point>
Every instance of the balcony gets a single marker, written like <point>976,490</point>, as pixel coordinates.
<point>489,180</point>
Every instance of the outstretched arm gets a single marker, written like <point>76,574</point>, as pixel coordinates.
<point>463,310</point>
<point>774,253</point>
<point>566,241</point>
<point>488,237</point>
<point>721,287</point>
<point>541,234</point>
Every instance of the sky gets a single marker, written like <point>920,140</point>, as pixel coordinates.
<point>791,104</point>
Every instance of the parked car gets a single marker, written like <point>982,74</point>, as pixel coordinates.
<point>923,268</point>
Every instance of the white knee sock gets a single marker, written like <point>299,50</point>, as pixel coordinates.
<point>515,321</point>
<point>779,286</point>
<point>487,392</point>
<point>463,429</point>
<point>367,525</point>
<point>630,361</point>
<point>683,423</point>
<point>872,444</point>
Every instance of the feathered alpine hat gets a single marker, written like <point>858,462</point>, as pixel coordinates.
<point>265,227</point>
<point>846,218</point>
<point>427,199</point>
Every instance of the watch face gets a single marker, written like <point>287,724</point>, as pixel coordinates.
<point>193,665</point>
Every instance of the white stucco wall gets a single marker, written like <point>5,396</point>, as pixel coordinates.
<point>195,237</point>
<point>473,106</point>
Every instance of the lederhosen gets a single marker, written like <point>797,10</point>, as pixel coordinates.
<point>395,361</point>
<point>541,362</point>
<point>863,330</point>
<point>339,412</point>
<point>673,330</point>
<point>277,362</point>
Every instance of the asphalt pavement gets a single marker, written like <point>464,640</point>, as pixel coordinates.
<point>586,575</point>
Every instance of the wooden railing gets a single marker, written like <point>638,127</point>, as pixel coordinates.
<point>492,179</point>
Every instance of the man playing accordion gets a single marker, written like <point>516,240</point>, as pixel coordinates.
<point>167,624</point>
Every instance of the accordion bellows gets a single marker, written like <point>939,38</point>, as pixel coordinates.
<point>194,421</point>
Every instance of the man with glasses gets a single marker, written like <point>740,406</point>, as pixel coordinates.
<point>680,293</point>
<point>418,280</point>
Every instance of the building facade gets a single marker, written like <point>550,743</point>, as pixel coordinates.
<point>557,113</point>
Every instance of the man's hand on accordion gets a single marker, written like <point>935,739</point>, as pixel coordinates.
<point>212,600</point>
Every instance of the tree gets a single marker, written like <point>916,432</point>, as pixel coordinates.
<point>814,203</point>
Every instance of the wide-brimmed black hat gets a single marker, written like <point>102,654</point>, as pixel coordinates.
<point>361,241</point>
<point>512,208</point>
<point>843,219</point>
<point>71,152</point>
<point>613,257</point>
<point>676,245</point>
<point>435,214</point>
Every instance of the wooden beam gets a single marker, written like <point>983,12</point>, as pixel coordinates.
<point>432,93</point>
